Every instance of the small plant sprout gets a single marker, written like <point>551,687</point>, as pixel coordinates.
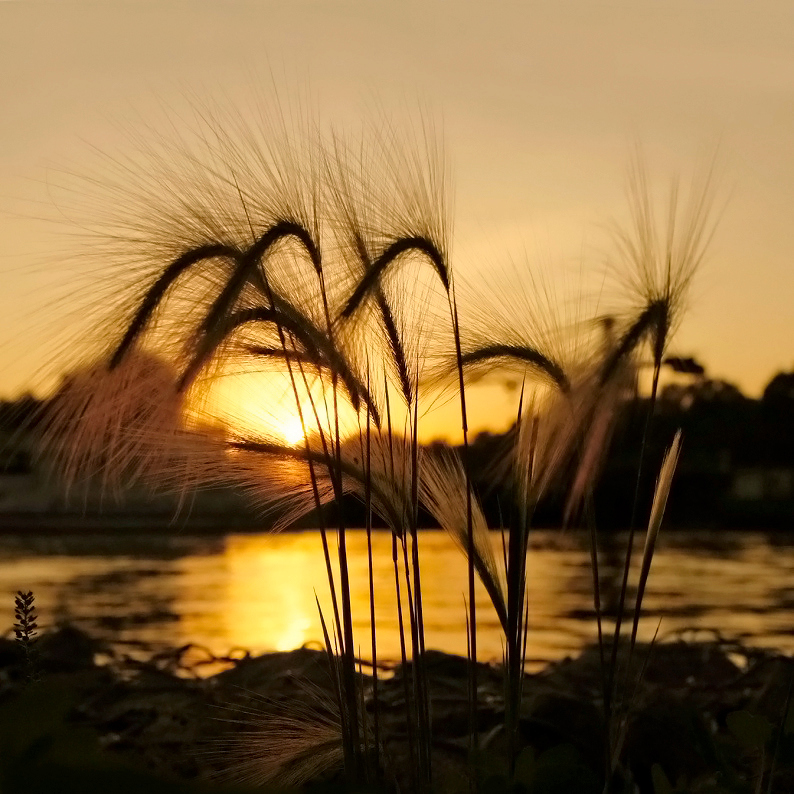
<point>26,629</point>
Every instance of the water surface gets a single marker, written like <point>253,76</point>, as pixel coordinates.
<point>257,591</point>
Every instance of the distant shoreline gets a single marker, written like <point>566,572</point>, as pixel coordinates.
<point>76,523</point>
<point>47,523</point>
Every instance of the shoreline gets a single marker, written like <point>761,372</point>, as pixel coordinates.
<point>167,724</point>
<point>73,523</point>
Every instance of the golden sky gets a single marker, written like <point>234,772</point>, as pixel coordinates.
<point>541,104</point>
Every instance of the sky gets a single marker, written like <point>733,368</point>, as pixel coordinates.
<point>541,105</point>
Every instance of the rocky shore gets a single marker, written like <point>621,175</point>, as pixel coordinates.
<point>705,717</point>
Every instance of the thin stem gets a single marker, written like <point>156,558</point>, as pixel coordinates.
<point>632,531</point>
<point>409,723</point>
<point>605,688</point>
<point>368,510</point>
<point>470,550</point>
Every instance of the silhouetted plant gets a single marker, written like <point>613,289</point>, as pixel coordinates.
<point>25,631</point>
<point>299,266</point>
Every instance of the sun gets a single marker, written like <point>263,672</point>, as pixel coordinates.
<point>261,406</point>
<point>292,431</point>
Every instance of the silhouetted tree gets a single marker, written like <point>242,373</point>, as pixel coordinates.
<point>685,366</point>
<point>779,392</point>
<point>19,414</point>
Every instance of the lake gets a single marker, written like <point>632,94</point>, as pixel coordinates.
<point>147,592</point>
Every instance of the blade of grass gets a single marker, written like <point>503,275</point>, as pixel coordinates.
<point>663,485</point>
<point>632,531</point>
<point>470,549</point>
<point>409,723</point>
<point>368,510</point>
<point>779,733</point>
<point>605,690</point>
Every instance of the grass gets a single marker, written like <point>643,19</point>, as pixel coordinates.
<point>335,270</point>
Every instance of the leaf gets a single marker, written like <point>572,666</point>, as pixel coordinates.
<point>560,770</point>
<point>661,783</point>
<point>750,729</point>
<point>35,713</point>
<point>497,784</point>
<point>489,766</point>
<point>660,495</point>
<point>525,766</point>
<point>788,719</point>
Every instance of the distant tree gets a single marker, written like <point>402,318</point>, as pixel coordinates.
<point>703,392</point>
<point>779,392</point>
<point>685,366</point>
<point>716,390</point>
<point>21,413</point>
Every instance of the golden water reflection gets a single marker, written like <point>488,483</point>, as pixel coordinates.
<point>260,592</point>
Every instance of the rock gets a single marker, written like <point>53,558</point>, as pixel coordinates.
<point>67,649</point>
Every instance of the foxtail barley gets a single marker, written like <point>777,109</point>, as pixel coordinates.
<point>290,255</point>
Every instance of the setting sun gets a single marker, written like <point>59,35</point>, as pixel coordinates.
<point>262,406</point>
<point>292,430</point>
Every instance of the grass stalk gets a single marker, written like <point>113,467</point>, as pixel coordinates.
<point>371,582</point>
<point>409,723</point>
<point>654,524</point>
<point>470,548</point>
<point>420,671</point>
<point>606,694</point>
<point>632,531</point>
<point>781,729</point>
<point>517,611</point>
<point>349,706</point>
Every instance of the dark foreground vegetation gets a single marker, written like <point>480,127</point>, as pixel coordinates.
<point>74,717</point>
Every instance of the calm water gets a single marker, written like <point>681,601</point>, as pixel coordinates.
<point>258,591</point>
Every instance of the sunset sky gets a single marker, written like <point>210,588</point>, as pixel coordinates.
<point>541,104</point>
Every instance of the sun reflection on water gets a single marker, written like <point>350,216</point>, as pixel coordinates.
<point>259,592</point>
